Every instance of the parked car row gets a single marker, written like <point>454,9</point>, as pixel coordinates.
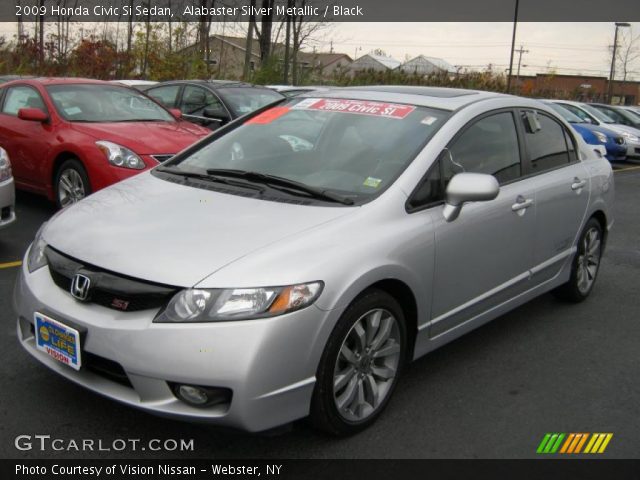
<point>595,115</point>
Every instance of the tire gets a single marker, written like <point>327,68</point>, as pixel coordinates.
<point>585,264</point>
<point>71,183</point>
<point>360,373</point>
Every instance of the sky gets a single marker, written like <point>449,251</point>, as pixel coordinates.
<point>566,48</point>
<point>569,48</point>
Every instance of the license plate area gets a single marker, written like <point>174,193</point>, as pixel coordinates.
<point>58,340</point>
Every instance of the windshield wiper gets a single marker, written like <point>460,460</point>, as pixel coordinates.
<point>209,178</point>
<point>283,184</point>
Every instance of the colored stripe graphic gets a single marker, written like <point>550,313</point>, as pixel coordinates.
<point>550,443</point>
<point>573,443</point>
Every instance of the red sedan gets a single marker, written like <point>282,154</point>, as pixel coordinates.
<point>69,137</point>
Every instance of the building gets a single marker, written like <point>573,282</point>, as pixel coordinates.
<point>226,57</point>
<point>583,88</point>
<point>377,63</point>
<point>324,65</point>
<point>423,65</point>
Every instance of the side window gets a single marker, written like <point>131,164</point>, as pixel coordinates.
<point>488,146</point>
<point>22,97</point>
<point>196,99</point>
<point>430,190</point>
<point>165,95</point>
<point>546,143</point>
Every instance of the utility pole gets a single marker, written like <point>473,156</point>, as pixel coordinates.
<point>612,72</point>
<point>520,52</point>
<point>513,46</point>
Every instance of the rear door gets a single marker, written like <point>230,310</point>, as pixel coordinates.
<point>562,191</point>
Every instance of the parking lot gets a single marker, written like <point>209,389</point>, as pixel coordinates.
<point>545,367</point>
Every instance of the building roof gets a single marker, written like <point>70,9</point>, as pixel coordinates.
<point>388,62</point>
<point>436,62</point>
<point>322,59</point>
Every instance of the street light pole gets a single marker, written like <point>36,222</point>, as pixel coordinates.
<point>513,46</point>
<point>612,72</point>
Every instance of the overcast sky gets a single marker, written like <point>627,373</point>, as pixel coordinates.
<point>569,48</point>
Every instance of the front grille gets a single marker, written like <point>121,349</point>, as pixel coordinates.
<point>5,213</point>
<point>108,289</point>
<point>620,140</point>
<point>163,158</point>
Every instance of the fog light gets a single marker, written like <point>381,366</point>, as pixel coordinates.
<point>194,395</point>
<point>198,396</point>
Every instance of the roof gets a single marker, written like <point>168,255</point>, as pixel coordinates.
<point>322,59</point>
<point>61,80</point>
<point>435,97</point>
<point>437,62</point>
<point>388,62</point>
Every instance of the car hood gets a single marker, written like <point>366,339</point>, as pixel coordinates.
<point>145,138</point>
<point>173,234</point>
<point>616,127</point>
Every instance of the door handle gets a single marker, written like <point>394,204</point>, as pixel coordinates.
<point>521,203</point>
<point>578,184</point>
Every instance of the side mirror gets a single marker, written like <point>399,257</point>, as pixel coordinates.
<point>176,112</point>
<point>601,150</point>
<point>218,114</point>
<point>468,187</point>
<point>32,115</point>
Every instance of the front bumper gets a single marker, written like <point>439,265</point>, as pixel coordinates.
<point>633,149</point>
<point>616,152</point>
<point>7,203</point>
<point>269,364</point>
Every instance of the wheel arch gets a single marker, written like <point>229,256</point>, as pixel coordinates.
<point>405,297</point>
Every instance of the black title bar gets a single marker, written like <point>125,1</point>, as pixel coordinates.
<point>323,10</point>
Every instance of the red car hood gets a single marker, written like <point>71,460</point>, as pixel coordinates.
<point>146,138</point>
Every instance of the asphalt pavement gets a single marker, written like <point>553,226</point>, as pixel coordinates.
<point>545,367</point>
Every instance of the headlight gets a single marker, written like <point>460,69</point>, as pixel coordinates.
<point>5,165</point>
<point>602,138</point>
<point>37,259</point>
<point>120,156</point>
<point>630,137</point>
<point>215,305</point>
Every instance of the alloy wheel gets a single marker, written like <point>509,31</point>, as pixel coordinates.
<point>367,365</point>
<point>588,260</point>
<point>70,187</point>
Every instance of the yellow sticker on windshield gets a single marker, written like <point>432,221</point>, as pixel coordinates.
<point>372,182</point>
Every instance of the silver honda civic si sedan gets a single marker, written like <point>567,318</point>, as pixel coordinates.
<point>291,263</point>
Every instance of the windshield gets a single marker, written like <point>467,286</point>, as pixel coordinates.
<point>243,100</point>
<point>105,103</point>
<point>564,113</point>
<point>603,117</point>
<point>351,147</point>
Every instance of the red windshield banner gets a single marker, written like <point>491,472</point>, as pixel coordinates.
<point>268,116</point>
<point>361,107</point>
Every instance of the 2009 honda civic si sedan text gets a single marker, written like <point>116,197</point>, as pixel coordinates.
<point>292,262</point>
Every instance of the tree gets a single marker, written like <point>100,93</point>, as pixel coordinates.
<point>628,53</point>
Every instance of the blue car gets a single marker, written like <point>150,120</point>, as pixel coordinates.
<point>595,134</point>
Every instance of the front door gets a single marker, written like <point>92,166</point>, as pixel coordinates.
<point>483,257</point>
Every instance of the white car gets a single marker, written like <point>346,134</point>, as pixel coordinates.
<point>7,191</point>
